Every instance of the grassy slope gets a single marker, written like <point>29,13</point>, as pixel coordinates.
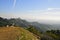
<point>15,33</point>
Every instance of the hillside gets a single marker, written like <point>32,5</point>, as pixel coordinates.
<point>25,24</point>
<point>15,33</point>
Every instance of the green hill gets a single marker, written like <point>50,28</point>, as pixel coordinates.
<point>15,33</point>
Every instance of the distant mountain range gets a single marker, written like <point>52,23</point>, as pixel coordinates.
<point>25,24</point>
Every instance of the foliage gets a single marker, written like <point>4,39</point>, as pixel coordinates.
<point>54,33</point>
<point>3,22</point>
<point>34,31</point>
<point>13,21</point>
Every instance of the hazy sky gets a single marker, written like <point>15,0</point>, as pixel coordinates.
<point>31,9</point>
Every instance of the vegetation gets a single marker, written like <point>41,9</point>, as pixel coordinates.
<point>16,22</point>
<point>10,31</point>
<point>34,31</point>
<point>15,33</point>
<point>54,34</point>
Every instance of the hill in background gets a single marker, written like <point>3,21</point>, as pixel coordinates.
<point>25,24</point>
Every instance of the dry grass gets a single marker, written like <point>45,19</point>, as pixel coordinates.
<point>15,33</point>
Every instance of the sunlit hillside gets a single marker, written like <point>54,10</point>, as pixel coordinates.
<point>15,33</point>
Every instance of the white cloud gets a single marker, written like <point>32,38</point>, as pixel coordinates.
<point>53,9</point>
<point>50,8</point>
<point>14,3</point>
<point>48,14</point>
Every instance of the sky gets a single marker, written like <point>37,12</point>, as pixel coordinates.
<point>48,10</point>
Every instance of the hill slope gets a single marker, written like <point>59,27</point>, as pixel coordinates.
<point>25,24</point>
<point>15,33</point>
